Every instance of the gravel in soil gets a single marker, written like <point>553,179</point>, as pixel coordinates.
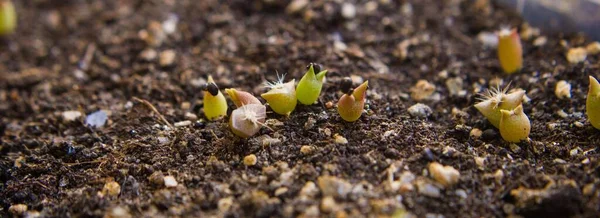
<point>135,70</point>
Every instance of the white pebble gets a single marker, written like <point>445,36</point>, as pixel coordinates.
<point>348,10</point>
<point>170,181</point>
<point>96,119</point>
<point>71,115</point>
<point>562,89</point>
<point>420,110</point>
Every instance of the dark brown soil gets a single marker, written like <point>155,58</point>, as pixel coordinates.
<point>86,56</point>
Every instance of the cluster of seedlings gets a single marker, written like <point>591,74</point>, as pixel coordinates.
<point>282,97</point>
<point>504,108</point>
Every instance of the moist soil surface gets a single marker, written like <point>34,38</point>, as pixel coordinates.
<point>113,56</point>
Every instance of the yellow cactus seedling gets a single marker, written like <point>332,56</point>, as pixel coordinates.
<point>510,51</point>
<point>8,17</point>
<point>241,98</point>
<point>592,107</point>
<point>309,87</point>
<point>495,100</point>
<point>351,105</point>
<point>281,97</point>
<point>215,105</point>
<point>247,120</point>
<point>514,125</point>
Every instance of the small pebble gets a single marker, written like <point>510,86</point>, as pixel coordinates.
<point>445,175</point>
<point>540,41</point>
<point>475,133</point>
<point>183,123</point>
<point>329,105</point>
<point>225,203</point>
<point>420,110</point>
<point>588,189</point>
<point>69,116</point>
<point>118,212</point>
<point>340,139</point>
<point>157,178</point>
<point>307,149</point>
<point>296,5</point>
<point>461,193</point>
<point>191,116</point>
<point>576,55</point>
<point>309,190</point>
<point>488,39</point>
<point>328,204</point>
<point>281,191</point>
<point>17,209</point>
<point>333,186</point>
<point>148,54</point>
<point>170,24</point>
<point>250,160</point>
<point>422,90</point>
<point>310,123</point>
<point>428,189</point>
<point>167,58</point>
<point>498,175</point>
<point>593,48</point>
<point>480,161</point>
<point>455,87</point>
<point>96,119</point>
<point>170,181</point>
<point>348,10</point>
<point>562,89</point>
<point>111,188</point>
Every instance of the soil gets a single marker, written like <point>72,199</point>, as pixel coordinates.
<point>99,55</point>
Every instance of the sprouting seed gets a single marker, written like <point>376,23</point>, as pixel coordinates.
<point>8,17</point>
<point>281,96</point>
<point>241,98</point>
<point>351,104</point>
<point>510,51</point>
<point>514,125</point>
<point>215,105</point>
<point>593,103</point>
<point>247,120</point>
<point>309,87</point>
<point>497,99</point>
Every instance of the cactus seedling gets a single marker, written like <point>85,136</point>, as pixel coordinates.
<point>215,105</point>
<point>241,98</point>
<point>593,103</point>
<point>351,104</point>
<point>281,97</point>
<point>309,87</point>
<point>514,125</point>
<point>510,51</point>
<point>8,17</point>
<point>497,99</point>
<point>246,120</point>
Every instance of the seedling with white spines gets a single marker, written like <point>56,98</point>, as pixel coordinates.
<point>215,104</point>
<point>8,17</point>
<point>247,120</point>
<point>592,103</point>
<point>352,103</point>
<point>514,125</point>
<point>497,99</point>
<point>281,96</point>
<point>510,50</point>
<point>309,87</point>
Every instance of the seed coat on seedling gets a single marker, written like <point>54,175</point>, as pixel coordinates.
<point>309,87</point>
<point>514,125</point>
<point>281,97</point>
<point>592,103</point>
<point>510,51</point>
<point>351,104</point>
<point>215,104</point>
